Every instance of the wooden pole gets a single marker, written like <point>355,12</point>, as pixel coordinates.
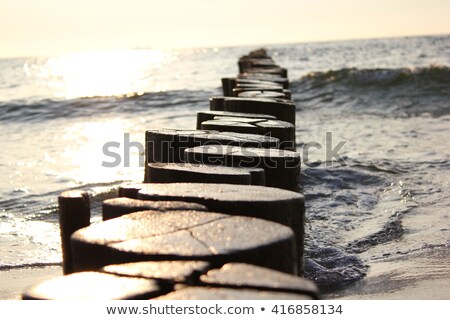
<point>74,214</point>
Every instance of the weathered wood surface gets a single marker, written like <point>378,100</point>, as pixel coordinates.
<point>168,273</point>
<point>282,130</point>
<point>282,167</point>
<point>168,280</point>
<point>210,115</point>
<point>282,109</point>
<point>74,214</point>
<point>94,286</point>
<point>207,293</point>
<point>202,173</point>
<point>185,235</point>
<point>168,145</point>
<point>282,206</point>
<point>117,207</point>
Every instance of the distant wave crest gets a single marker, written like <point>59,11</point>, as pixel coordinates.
<point>386,92</point>
<point>48,109</point>
<point>381,77</point>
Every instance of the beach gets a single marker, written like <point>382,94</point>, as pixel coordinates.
<point>377,224</point>
<point>16,281</point>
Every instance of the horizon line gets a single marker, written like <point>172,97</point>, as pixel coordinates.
<point>162,48</point>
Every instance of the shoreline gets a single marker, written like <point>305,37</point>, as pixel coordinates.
<point>15,281</point>
<point>384,281</point>
<point>418,276</point>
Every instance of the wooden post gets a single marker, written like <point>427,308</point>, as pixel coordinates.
<point>282,109</point>
<point>210,115</point>
<point>216,103</point>
<point>285,131</point>
<point>277,205</point>
<point>200,173</point>
<point>168,145</point>
<point>186,235</point>
<point>282,167</point>
<point>227,85</point>
<point>74,214</point>
<point>117,207</point>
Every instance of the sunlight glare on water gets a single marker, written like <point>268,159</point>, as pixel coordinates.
<point>95,74</point>
<point>86,158</point>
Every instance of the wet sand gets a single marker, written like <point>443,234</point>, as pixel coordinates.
<point>417,276</point>
<point>15,281</point>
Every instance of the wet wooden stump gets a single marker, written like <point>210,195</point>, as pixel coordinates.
<point>74,214</point>
<point>246,276</point>
<point>167,280</point>
<point>284,94</point>
<point>185,235</point>
<point>282,167</point>
<point>282,109</point>
<point>210,115</point>
<point>283,72</point>
<point>227,86</point>
<point>168,145</point>
<point>260,53</point>
<point>208,293</point>
<point>288,94</point>
<point>245,83</point>
<point>284,131</point>
<point>262,94</point>
<point>248,83</point>
<point>168,273</point>
<point>282,206</point>
<point>265,77</point>
<point>246,63</point>
<point>94,286</point>
<point>216,103</point>
<point>117,207</point>
<point>129,190</point>
<point>237,91</point>
<point>245,281</point>
<point>190,172</point>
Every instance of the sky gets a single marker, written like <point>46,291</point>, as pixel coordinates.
<point>41,27</point>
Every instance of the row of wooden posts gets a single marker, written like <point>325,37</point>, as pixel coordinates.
<point>220,214</point>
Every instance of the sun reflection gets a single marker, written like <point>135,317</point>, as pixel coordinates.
<point>116,73</point>
<point>84,152</point>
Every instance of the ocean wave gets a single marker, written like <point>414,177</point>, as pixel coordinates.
<point>41,206</point>
<point>385,92</point>
<point>49,109</point>
<point>332,267</point>
<point>398,92</point>
<point>380,77</point>
<point>391,230</point>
